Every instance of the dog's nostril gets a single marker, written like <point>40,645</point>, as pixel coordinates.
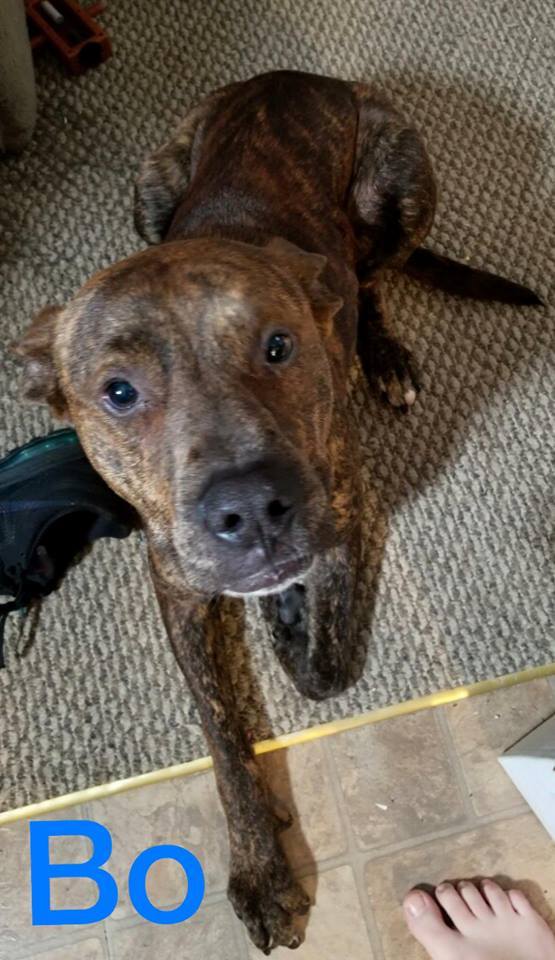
<point>232,522</point>
<point>251,509</point>
<point>277,509</point>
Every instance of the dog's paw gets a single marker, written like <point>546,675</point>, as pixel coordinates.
<point>399,388</point>
<point>270,902</point>
<point>389,366</point>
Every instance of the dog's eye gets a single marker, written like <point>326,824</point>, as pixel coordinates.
<point>279,348</point>
<point>121,394</point>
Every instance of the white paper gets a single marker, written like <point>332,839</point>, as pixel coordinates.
<point>531,766</point>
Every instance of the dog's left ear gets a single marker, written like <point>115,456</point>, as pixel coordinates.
<point>308,269</point>
<point>35,347</point>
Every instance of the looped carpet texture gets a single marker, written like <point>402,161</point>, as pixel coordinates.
<point>459,494</point>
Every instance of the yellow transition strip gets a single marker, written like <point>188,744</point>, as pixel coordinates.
<point>201,764</point>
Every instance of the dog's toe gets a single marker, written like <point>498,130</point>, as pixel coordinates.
<point>270,902</point>
<point>399,389</point>
<point>388,366</point>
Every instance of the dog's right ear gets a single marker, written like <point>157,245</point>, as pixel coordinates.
<point>35,347</point>
<point>307,268</point>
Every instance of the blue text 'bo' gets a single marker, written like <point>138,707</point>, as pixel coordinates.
<point>43,871</point>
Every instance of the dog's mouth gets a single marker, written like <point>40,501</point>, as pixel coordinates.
<point>272,578</point>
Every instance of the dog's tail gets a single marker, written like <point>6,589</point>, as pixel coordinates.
<point>464,281</point>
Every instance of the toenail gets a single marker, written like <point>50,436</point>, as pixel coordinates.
<point>416,904</point>
<point>443,888</point>
<point>463,885</point>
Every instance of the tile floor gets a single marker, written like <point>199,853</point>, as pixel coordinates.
<point>411,800</point>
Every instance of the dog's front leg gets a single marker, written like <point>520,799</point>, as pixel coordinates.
<point>263,892</point>
<point>312,625</point>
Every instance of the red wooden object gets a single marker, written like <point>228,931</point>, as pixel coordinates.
<point>70,30</point>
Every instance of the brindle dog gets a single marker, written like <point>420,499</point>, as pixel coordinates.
<point>207,379</point>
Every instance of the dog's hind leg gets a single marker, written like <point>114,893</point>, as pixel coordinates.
<point>386,364</point>
<point>391,206</point>
<point>392,203</point>
<point>392,197</point>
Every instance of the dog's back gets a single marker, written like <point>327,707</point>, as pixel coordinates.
<point>273,157</point>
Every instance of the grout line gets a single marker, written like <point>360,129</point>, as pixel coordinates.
<point>106,941</point>
<point>134,919</point>
<point>57,942</point>
<point>128,922</point>
<point>352,855</point>
<point>456,764</point>
<point>474,818</point>
<point>131,921</point>
<point>211,899</point>
<point>367,911</point>
<point>339,804</point>
<point>245,943</point>
<point>382,853</point>
<point>455,829</point>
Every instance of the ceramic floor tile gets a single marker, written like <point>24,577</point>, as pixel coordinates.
<point>213,934</point>
<point>301,774</point>
<point>483,727</point>
<point>16,930</point>
<point>516,852</point>
<point>185,811</point>
<point>397,783</point>
<point>336,926</point>
<point>76,950</point>
<point>397,780</point>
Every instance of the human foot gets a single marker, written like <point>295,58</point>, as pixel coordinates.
<point>489,924</point>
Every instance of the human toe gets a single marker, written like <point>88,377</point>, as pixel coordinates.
<point>427,925</point>
<point>455,907</point>
<point>498,900</point>
<point>474,899</point>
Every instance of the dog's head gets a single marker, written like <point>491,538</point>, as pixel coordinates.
<point>198,376</point>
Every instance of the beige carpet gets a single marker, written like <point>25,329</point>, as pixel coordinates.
<point>459,509</point>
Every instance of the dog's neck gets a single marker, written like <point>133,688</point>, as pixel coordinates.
<point>236,215</point>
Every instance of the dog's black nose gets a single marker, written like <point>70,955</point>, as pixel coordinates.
<point>256,506</point>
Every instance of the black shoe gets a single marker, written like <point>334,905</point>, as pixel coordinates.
<point>52,505</point>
